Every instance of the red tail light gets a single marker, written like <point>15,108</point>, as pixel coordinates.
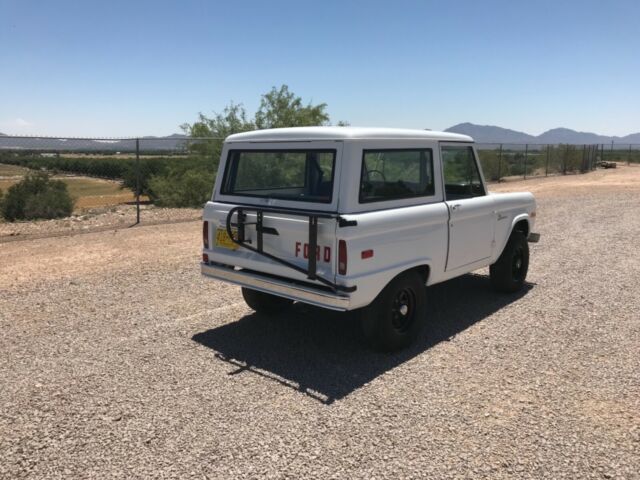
<point>205,234</point>
<point>342,257</point>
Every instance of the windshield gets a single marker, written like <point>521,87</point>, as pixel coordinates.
<point>300,175</point>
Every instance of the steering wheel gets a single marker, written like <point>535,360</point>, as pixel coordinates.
<point>369,172</point>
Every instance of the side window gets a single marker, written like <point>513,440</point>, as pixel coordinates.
<point>396,174</point>
<point>461,175</point>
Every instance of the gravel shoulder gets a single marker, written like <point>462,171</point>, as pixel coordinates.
<point>95,219</point>
<point>120,361</point>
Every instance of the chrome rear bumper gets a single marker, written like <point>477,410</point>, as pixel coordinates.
<point>279,287</point>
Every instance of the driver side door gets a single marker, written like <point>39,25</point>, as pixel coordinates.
<point>471,210</point>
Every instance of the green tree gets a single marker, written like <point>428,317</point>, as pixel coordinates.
<point>189,183</point>
<point>208,133</point>
<point>282,108</point>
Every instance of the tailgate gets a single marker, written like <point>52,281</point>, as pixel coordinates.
<point>274,241</point>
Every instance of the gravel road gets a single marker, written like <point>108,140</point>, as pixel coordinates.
<point>118,360</point>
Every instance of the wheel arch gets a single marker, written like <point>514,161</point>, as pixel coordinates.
<point>372,285</point>
<point>521,223</point>
<point>423,269</point>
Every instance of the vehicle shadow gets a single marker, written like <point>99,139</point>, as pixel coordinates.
<point>322,354</point>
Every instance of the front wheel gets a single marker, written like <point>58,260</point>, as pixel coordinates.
<point>397,315</point>
<point>264,302</point>
<point>509,272</point>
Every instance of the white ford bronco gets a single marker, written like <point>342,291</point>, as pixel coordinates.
<point>359,218</point>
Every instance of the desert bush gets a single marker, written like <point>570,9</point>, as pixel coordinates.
<point>186,188</point>
<point>37,196</point>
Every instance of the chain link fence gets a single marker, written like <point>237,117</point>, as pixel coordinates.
<point>176,170</point>
<point>134,171</point>
<point>507,161</point>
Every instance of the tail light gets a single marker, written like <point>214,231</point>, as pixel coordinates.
<point>342,257</point>
<point>205,234</point>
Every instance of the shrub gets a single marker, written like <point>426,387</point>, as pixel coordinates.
<point>148,169</point>
<point>189,188</point>
<point>37,196</point>
<point>491,165</point>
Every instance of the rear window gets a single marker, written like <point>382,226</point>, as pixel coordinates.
<point>396,174</point>
<point>299,175</point>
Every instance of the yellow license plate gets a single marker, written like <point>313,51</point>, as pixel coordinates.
<point>223,240</point>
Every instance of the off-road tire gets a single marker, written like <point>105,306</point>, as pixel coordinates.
<point>384,324</point>
<point>264,302</point>
<point>510,271</point>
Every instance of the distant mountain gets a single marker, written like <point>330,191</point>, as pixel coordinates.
<point>566,135</point>
<point>175,142</point>
<point>493,134</point>
<point>633,138</point>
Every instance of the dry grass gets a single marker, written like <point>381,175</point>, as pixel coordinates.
<point>88,192</point>
<point>11,170</point>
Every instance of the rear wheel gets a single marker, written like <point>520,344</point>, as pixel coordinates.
<point>396,317</point>
<point>264,302</point>
<point>510,271</point>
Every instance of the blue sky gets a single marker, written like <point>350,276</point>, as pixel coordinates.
<point>126,68</point>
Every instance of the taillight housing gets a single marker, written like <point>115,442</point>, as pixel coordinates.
<point>205,234</point>
<point>342,257</point>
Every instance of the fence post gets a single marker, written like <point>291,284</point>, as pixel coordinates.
<point>500,165</point>
<point>629,157</point>
<point>526,154</point>
<point>137,181</point>
<point>546,165</point>
<point>612,149</point>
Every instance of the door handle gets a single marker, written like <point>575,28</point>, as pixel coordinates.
<point>456,206</point>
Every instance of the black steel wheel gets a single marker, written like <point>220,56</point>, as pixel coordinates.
<point>397,315</point>
<point>510,270</point>
<point>403,309</point>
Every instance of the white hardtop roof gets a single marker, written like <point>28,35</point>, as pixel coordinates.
<point>342,133</point>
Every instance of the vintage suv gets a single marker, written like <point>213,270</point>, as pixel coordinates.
<point>360,218</point>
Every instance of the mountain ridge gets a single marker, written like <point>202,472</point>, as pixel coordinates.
<point>495,134</point>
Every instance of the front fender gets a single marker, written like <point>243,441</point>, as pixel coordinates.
<point>502,242</point>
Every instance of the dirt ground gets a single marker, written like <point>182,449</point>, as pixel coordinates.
<point>120,361</point>
<point>624,178</point>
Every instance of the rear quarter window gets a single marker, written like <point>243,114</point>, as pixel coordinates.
<point>396,174</point>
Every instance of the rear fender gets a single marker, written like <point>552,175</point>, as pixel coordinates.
<point>372,283</point>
